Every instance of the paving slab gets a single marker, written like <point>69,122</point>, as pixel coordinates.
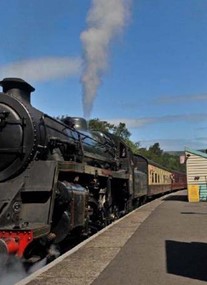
<point>170,247</point>
<point>163,242</point>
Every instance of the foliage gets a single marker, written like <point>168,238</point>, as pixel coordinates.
<point>154,153</point>
<point>120,130</point>
<point>165,159</point>
<point>103,126</point>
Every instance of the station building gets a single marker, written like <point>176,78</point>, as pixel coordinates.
<point>196,169</point>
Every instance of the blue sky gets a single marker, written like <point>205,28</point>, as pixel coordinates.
<point>142,62</point>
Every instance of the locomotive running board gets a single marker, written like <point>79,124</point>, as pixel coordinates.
<point>69,166</point>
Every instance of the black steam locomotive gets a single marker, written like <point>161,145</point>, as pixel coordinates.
<point>57,179</point>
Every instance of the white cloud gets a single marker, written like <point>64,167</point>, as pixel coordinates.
<point>181,98</point>
<point>140,122</point>
<point>167,144</point>
<point>132,123</point>
<point>42,69</point>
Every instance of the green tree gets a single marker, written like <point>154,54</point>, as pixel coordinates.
<point>155,149</point>
<point>97,125</point>
<point>133,146</point>
<point>122,131</point>
<point>154,152</point>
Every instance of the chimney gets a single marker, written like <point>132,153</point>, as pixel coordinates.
<point>18,88</point>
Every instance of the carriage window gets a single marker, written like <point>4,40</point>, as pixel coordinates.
<point>155,177</point>
<point>123,153</point>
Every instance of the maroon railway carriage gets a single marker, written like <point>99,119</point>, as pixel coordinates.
<point>160,179</point>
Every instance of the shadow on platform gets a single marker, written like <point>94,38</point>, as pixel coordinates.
<point>183,198</point>
<point>186,259</point>
<point>193,213</point>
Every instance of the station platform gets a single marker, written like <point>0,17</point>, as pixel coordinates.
<point>163,242</point>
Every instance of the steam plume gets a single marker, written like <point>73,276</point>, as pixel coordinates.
<point>106,18</point>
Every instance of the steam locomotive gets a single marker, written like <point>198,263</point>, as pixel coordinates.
<point>59,180</point>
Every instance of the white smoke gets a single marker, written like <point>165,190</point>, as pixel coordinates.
<point>42,69</point>
<point>12,272</point>
<point>105,20</point>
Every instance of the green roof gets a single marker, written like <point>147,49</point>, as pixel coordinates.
<point>196,152</point>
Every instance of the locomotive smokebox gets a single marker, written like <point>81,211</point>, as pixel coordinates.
<point>18,88</point>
